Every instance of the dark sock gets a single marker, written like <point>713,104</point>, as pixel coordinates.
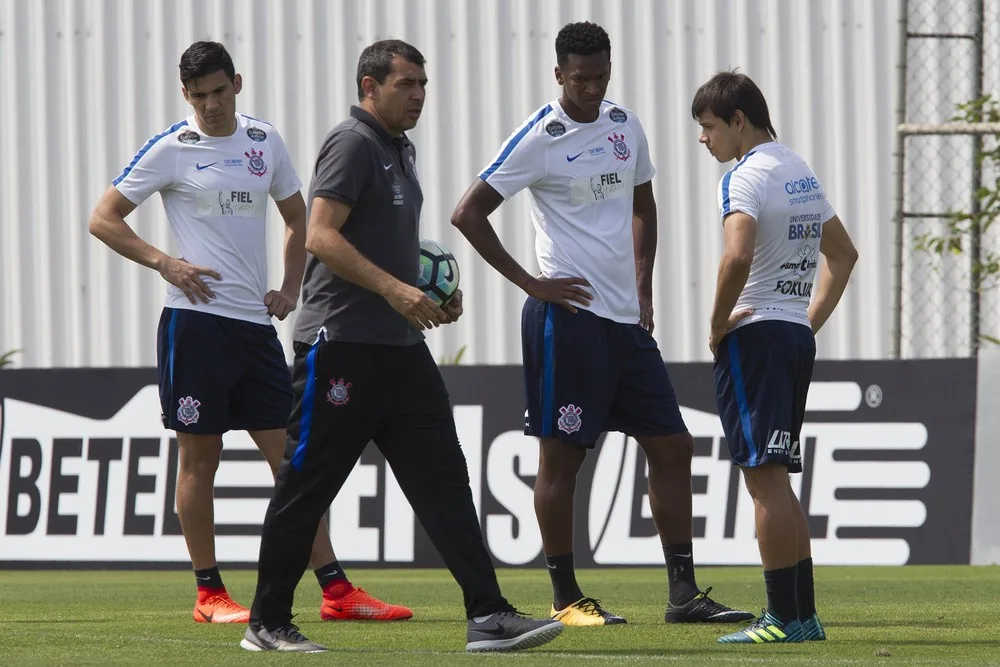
<point>565,590</point>
<point>680,573</point>
<point>781,593</point>
<point>333,580</point>
<point>209,578</point>
<point>805,595</point>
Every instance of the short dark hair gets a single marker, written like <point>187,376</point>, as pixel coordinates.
<point>727,92</point>
<point>203,58</point>
<point>376,60</point>
<point>582,39</point>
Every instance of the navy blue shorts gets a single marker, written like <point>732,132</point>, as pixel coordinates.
<point>762,376</point>
<point>585,375</point>
<point>219,374</point>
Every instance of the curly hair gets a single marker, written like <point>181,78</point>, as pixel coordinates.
<point>582,39</point>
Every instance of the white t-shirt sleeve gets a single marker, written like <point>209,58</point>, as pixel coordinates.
<point>828,211</point>
<point>644,169</point>
<point>286,181</point>
<point>740,191</point>
<point>153,168</point>
<point>521,161</point>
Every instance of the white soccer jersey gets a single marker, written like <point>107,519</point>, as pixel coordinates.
<point>214,191</point>
<point>775,187</point>
<point>580,179</point>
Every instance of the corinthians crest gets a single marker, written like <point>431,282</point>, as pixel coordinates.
<point>621,149</point>
<point>187,413</point>
<point>256,164</point>
<point>569,419</point>
<point>338,394</point>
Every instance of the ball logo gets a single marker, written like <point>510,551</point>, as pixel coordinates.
<point>256,164</point>
<point>617,115</point>
<point>188,137</point>
<point>338,394</point>
<point>187,413</point>
<point>622,151</point>
<point>569,419</point>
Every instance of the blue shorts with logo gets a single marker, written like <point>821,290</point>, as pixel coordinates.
<point>762,376</point>
<point>219,374</point>
<point>585,375</point>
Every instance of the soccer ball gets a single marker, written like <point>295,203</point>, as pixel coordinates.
<point>438,272</point>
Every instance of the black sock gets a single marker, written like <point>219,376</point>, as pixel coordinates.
<point>565,590</point>
<point>330,573</point>
<point>680,573</point>
<point>805,595</point>
<point>781,593</point>
<point>209,578</point>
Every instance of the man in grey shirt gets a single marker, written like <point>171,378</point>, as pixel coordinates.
<point>363,373</point>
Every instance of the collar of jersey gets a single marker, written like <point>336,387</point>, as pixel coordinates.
<point>358,113</point>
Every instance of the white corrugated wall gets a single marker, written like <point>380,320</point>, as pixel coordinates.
<point>86,82</point>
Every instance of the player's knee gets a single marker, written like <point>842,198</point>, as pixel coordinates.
<point>199,456</point>
<point>199,468</point>
<point>767,483</point>
<point>670,451</point>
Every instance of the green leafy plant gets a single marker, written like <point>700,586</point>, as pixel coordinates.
<point>7,358</point>
<point>453,360</point>
<point>962,227</point>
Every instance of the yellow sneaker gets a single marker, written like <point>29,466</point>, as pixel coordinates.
<point>586,611</point>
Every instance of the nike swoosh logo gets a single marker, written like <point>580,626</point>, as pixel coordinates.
<point>207,617</point>
<point>570,159</point>
<point>496,630</point>
<point>387,166</point>
<point>682,555</point>
<point>199,167</point>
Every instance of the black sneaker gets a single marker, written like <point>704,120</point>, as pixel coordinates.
<point>510,631</point>
<point>703,609</point>
<point>286,638</point>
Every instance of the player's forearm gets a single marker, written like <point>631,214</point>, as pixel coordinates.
<point>484,239</point>
<point>295,258</point>
<point>644,238</point>
<point>833,278</point>
<point>733,274</point>
<point>117,235</point>
<point>343,259</point>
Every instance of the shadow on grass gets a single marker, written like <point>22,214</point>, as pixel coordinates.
<point>914,624</point>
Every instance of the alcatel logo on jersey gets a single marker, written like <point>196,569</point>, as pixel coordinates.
<point>590,153</point>
<point>802,185</point>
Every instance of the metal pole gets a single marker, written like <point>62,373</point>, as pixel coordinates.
<point>975,243</point>
<point>900,158</point>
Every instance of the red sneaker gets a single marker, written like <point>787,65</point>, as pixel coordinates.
<point>219,608</point>
<point>359,606</point>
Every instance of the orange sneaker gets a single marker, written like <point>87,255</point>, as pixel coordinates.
<point>220,608</point>
<point>359,606</point>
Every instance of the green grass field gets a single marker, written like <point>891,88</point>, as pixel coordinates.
<point>890,616</point>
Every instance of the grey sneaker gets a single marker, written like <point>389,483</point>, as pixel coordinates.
<point>510,631</point>
<point>286,638</point>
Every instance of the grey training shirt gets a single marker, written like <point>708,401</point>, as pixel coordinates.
<point>363,166</point>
